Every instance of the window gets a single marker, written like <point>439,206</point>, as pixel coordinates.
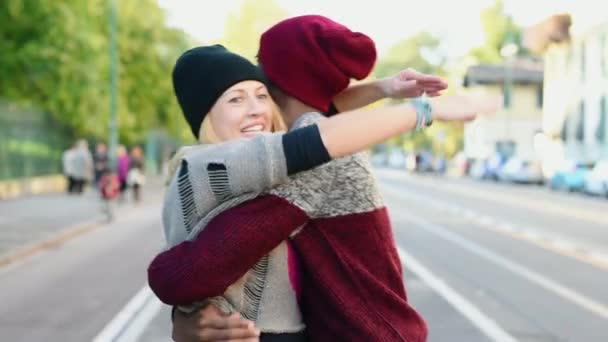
<point>539,97</point>
<point>506,96</point>
<point>603,62</point>
<point>565,127</point>
<point>583,61</point>
<point>580,129</point>
<point>600,133</point>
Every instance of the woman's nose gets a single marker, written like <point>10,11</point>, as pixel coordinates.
<point>256,107</point>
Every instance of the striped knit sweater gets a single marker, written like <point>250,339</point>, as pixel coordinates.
<point>211,179</point>
<point>352,287</point>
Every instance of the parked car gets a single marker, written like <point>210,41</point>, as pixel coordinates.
<point>457,166</point>
<point>379,160</point>
<point>440,165</point>
<point>570,177</point>
<point>424,162</point>
<point>478,169</point>
<point>396,159</point>
<point>494,165</point>
<point>596,180</point>
<point>517,170</point>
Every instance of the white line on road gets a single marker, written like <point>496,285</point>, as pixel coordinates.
<point>551,242</point>
<point>131,321</point>
<point>547,283</point>
<point>581,213</point>
<point>484,323</point>
<point>7,220</point>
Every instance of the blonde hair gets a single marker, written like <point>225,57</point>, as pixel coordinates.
<point>207,135</point>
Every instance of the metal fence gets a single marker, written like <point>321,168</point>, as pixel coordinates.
<point>31,143</point>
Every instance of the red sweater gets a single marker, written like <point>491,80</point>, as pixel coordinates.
<point>352,286</point>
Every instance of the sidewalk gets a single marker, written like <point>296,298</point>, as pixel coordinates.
<point>28,222</point>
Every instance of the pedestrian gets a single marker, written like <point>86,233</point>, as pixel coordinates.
<point>123,161</point>
<point>101,161</point>
<point>394,120</point>
<point>109,190</point>
<point>82,166</point>
<point>136,176</point>
<point>68,168</point>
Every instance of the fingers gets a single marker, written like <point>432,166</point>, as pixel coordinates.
<point>240,334</point>
<point>433,93</point>
<point>231,328</point>
<point>423,79</point>
<point>433,84</point>
<point>230,322</point>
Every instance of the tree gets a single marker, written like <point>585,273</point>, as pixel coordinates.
<point>59,62</point>
<point>499,29</point>
<point>244,28</point>
<point>410,53</point>
<point>416,52</point>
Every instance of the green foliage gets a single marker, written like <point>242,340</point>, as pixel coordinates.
<point>409,54</point>
<point>244,28</point>
<point>499,30</point>
<point>59,62</point>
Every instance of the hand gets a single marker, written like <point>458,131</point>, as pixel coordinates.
<point>210,324</point>
<point>410,83</point>
<point>463,107</point>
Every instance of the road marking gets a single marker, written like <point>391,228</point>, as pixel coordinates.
<point>536,278</point>
<point>484,323</point>
<point>553,244</point>
<point>59,238</point>
<point>130,322</point>
<point>496,196</point>
<point>7,220</point>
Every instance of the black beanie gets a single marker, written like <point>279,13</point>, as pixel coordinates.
<point>202,74</point>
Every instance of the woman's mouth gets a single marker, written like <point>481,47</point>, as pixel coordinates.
<point>253,129</point>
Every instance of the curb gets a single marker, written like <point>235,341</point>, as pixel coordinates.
<point>10,189</point>
<point>58,239</point>
<point>61,237</point>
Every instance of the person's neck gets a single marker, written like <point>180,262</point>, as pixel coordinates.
<point>294,109</point>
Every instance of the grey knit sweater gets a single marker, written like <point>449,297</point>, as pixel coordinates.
<point>213,178</point>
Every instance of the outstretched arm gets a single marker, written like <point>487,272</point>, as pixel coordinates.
<point>407,83</point>
<point>356,130</point>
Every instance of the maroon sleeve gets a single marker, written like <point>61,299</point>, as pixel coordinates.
<point>231,244</point>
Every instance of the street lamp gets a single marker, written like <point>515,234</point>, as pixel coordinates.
<point>508,52</point>
<point>113,139</point>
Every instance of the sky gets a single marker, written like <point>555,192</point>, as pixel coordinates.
<point>386,21</point>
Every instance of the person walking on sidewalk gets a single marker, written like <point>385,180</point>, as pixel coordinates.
<point>68,167</point>
<point>123,164</point>
<point>82,166</point>
<point>136,176</point>
<point>101,161</point>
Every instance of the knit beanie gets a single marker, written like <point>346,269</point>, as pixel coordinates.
<point>202,74</point>
<point>313,58</point>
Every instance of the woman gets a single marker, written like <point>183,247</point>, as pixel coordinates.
<point>124,162</point>
<point>136,176</point>
<point>224,121</point>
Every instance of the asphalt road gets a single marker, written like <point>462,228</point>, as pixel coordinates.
<point>483,262</point>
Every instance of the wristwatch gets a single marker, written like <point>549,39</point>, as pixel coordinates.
<point>424,112</point>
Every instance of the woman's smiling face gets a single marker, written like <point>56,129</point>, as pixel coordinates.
<point>242,111</point>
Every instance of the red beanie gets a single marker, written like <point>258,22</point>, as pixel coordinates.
<point>313,58</point>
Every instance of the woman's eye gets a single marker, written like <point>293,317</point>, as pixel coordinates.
<point>236,100</point>
<point>263,96</point>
